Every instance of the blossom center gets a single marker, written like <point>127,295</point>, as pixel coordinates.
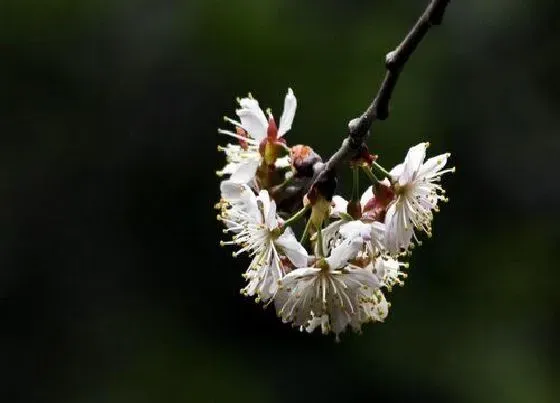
<point>401,189</point>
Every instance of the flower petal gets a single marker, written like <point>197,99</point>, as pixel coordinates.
<point>361,275</point>
<point>399,231</point>
<point>347,250</point>
<point>356,229</point>
<point>269,209</point>
<point>397,171</point>
<point>378,230</point>
<point>366,196</point>
<point>232,191</point>
<point>299,273</point>
<point>253,119</point>
<point>283,162</point>
<point>292,248</point>
<point>290,104</point>
<point>433,165</point>
<point>271,218</point>
<point>339,205</point>
<point>245,171</point>
<point>413,162</point>
<point>329,234</point>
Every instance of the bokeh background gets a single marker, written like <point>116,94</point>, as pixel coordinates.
<point>113,287</point>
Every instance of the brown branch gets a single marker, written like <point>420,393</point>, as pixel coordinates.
<point>358,128</point>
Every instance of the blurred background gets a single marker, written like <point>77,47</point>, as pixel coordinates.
<point>113,287</point>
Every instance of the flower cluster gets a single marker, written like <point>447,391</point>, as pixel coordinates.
<point>350,254</point>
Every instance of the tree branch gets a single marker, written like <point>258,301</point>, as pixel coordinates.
<point>358,128</point>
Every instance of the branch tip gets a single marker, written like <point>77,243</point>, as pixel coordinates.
<point>395,60</point>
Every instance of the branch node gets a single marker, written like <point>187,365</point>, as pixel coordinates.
<point>391,60</point>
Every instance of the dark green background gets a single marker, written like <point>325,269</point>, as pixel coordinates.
<point>112,285</point>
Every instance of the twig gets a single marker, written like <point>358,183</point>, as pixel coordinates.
<point>358,128</point>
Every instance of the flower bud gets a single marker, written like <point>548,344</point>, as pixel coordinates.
<point>354,209</point>
<point>303,158</point>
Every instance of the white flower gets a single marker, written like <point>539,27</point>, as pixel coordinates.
<point>417,195</point>
<point>340,205</point>
<point>258,233</point>
<point>252,129</point>
<point>375,307</point>
<point>242,162</point>
<point>389,272</point>
<point>330,295</point>
<point>267,269</point>
<point>238,205</point>
<point>371,231</point>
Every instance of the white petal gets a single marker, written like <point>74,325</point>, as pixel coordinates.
<point>339,206</point>
<point>263,275</point>
<point>397,171</point>
<point>269,209</point>
<point>356,229</point>
<point>339,320</point>
<point>391,242</point>
<point>249,103</point>
<point>366,196</point>
<point>433,165</point>
<point>230,168</point>
<point>347,250</point>
<point>375,306</point>
<point>316,321</point>
<point>361,275</point>
<point>292,248</point>
<point>397,235</point>
<point>253,119</point>
<point>413,162</point>
<point>283,162</point>
<point>299,273</point>
<point>271,218</point>
<point>290,104</point>
<point>232,190</point>
<point>329,234</point>
<point>382,307</point>
<point>388,270</point>
<point>378,230</point>
<point>245,172</point>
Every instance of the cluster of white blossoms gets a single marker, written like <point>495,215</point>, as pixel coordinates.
<point>350,253</point>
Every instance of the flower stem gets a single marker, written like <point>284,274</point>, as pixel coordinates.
<point>355,183</point>
<point>382,170</point>
<point>320,242</point>
<point>286,182</point>
<point>305,234</point>
<point>296,216</point>
<point>369,173</point>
